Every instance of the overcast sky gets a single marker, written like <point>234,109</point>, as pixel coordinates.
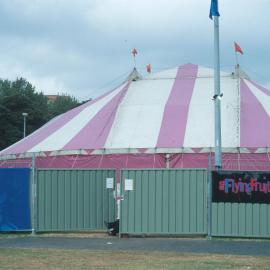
<point>83,47</point>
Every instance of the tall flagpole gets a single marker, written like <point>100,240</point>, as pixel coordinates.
<point>218,153</point>
<point>236,58</point>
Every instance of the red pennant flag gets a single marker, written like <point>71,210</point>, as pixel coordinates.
<point>134,52</point>
<point>148,68</point>
<point>237,48</point>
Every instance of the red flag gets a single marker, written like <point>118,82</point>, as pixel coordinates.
<point>237,48</point>
<point>148,68</point>
<point>134,52</point>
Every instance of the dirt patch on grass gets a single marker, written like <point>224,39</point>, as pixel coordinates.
<point>44,259</point>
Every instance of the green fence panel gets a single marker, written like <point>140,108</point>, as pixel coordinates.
<point>71,200</point>
<point>241,220</point>
<point>164,202</point>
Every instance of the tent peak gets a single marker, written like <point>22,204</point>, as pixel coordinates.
<point>134,75</point>
<point>239,73</point>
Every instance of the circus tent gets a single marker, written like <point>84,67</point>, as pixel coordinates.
<point>163,120</point>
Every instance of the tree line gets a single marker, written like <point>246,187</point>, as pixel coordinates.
<point>20,96</point>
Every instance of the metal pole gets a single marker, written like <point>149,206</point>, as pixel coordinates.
<point>24,125</point>
<point>209,199</point>
<point>236,58</point>
<point>134,61</point>
<point>33,195</point>
<point>167,157</point>
<point>218,158</point>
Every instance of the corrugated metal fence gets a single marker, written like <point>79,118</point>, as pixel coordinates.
<point>241,219</point>
<point>241,203</point>
<point>69,200</point>
<point>164,202</point>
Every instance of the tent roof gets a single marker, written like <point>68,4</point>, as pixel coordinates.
<point>168,111</point>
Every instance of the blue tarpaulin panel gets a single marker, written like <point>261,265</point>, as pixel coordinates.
<point>15,200</point>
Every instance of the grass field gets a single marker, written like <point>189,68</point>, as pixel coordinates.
<point>42,259</point>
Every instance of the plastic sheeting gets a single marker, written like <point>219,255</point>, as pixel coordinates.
<point>114,161</point>
<point>230,161</point>
<point>14,200</point>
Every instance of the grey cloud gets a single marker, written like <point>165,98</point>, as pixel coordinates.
<point>79,46</point>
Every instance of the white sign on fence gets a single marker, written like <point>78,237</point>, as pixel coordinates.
<point>128,184</point>
<point>109,183</point>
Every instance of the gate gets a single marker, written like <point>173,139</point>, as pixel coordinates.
<point>165,201</point>
<point>72,200</point>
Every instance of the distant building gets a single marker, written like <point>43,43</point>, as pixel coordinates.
<point>51,98</point>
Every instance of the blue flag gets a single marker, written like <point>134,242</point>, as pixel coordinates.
<point>214,9</point>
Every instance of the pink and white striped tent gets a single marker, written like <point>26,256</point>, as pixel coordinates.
<point>165,119</point>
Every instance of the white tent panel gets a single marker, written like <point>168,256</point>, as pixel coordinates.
<point>165,74</point>
<point>205,72</point>
<point>139,116</point>
<point>200,122</point>
<point>230,112</point>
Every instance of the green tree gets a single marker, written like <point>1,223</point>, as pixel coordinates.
<point>15,98</point>
<point>20,96</point>
<point>61,104</point>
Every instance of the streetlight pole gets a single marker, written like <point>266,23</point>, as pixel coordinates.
<point>24,123</point>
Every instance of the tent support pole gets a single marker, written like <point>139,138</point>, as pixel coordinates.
<point>33,195</point>
<point>167,157</point>
<point>209,198</point>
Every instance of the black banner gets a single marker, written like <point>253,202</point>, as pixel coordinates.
<point>241,187</point>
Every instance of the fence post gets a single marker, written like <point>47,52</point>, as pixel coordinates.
<point>167,158</point>
<point>209,199</point>
<point>33,195</point>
